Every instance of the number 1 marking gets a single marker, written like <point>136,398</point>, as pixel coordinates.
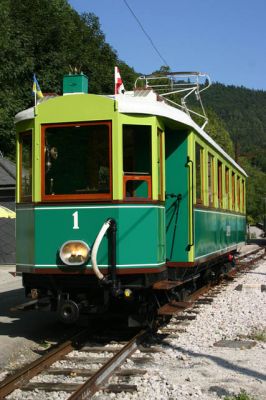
<point>76,220</point>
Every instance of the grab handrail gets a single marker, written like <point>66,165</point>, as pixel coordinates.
<point>191,199</point>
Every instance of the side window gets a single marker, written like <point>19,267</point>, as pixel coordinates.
<point>233,192</point>
<point>210,179</point>
<point>243,196</point>
<point>220,184</point>
<point>137,161</point>
<point>227,187</point>
<point>238,193</point>
<point>199,173</point>
<point>25,143</point>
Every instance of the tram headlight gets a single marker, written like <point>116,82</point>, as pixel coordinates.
<point>75,252</point>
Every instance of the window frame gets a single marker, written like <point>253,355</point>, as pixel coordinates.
<point>210,168</point>
<point>233,179</point>
<point>135,175</point>
<point>220,183</point>
<point>238,194</point>
<point>76,197</point>
<point>243,195</point>
<point>22,198</point>
<point>227,187</point>
<point>200,173</point>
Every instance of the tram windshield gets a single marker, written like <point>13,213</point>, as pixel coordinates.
<point>77,160</point>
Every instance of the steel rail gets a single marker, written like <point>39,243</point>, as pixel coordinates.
<point>177,307</point>
<point>95,383</point>
<point>238,258</point>
<point>21,377</point>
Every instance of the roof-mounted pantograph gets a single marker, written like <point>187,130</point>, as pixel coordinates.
<point>176,87</point>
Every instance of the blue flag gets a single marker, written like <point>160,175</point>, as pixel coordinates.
<point>36,90</point>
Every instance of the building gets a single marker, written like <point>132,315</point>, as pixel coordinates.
<point>7,211</point>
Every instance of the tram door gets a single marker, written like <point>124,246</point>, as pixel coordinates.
<point>176,201</point>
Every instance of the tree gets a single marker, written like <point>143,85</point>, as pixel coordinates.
<point>46,37</point>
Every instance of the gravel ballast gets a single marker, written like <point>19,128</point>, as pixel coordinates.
<point>191,365</point>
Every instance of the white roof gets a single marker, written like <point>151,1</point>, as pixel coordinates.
<point>24,115</point>
<point>147,102</point>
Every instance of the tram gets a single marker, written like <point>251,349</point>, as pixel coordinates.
<point>121,198</point>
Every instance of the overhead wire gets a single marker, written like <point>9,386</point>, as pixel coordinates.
<point>146,34</point>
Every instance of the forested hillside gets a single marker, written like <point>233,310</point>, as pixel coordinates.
<point>48,37</point>
<point>243,113</point>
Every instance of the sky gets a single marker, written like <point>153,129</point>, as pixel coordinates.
<point>223,38</point>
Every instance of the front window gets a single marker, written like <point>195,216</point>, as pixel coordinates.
<point>77,161</point>
<point>25,167</point>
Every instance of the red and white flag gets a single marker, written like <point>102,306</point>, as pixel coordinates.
<point>119,86</point>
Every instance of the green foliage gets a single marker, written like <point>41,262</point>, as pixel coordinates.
<point>259,335</point>
<point>217,130</point>
<point>47,37</point>
<point>241,396</point>
<point>256,190</point>
<point>243,113</point>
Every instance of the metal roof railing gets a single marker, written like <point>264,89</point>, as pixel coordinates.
<point>176,87</point>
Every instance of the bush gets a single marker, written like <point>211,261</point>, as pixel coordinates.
<point>241,396</point>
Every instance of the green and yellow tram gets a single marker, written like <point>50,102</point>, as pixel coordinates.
<point>116,197</point>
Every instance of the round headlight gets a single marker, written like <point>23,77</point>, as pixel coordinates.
<point>75,252</point>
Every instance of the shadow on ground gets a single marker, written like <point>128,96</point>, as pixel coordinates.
<point>37,325</point>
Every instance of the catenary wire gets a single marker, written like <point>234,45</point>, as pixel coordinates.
<point>146,34</point>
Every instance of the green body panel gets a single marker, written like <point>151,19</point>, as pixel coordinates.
<point>140,238</point>
<point>177,213</point>
<point>216,231</point>
<point>147,234</point>
<point>25,231</point>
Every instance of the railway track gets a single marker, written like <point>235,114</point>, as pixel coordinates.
<point>80,368</point>
<point>183,312</point>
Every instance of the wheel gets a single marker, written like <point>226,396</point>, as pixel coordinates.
<point>68,312</point>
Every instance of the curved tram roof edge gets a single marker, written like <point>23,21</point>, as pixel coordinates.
<point>130,104</point>
<point>145,102</point>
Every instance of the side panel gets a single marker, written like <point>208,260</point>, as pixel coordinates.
<point>139,243</point>
<point>217,231</point>
<point>25,253</point>
<point>176,178</point>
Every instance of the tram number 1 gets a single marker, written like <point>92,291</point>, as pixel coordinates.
<point>75,220</point>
